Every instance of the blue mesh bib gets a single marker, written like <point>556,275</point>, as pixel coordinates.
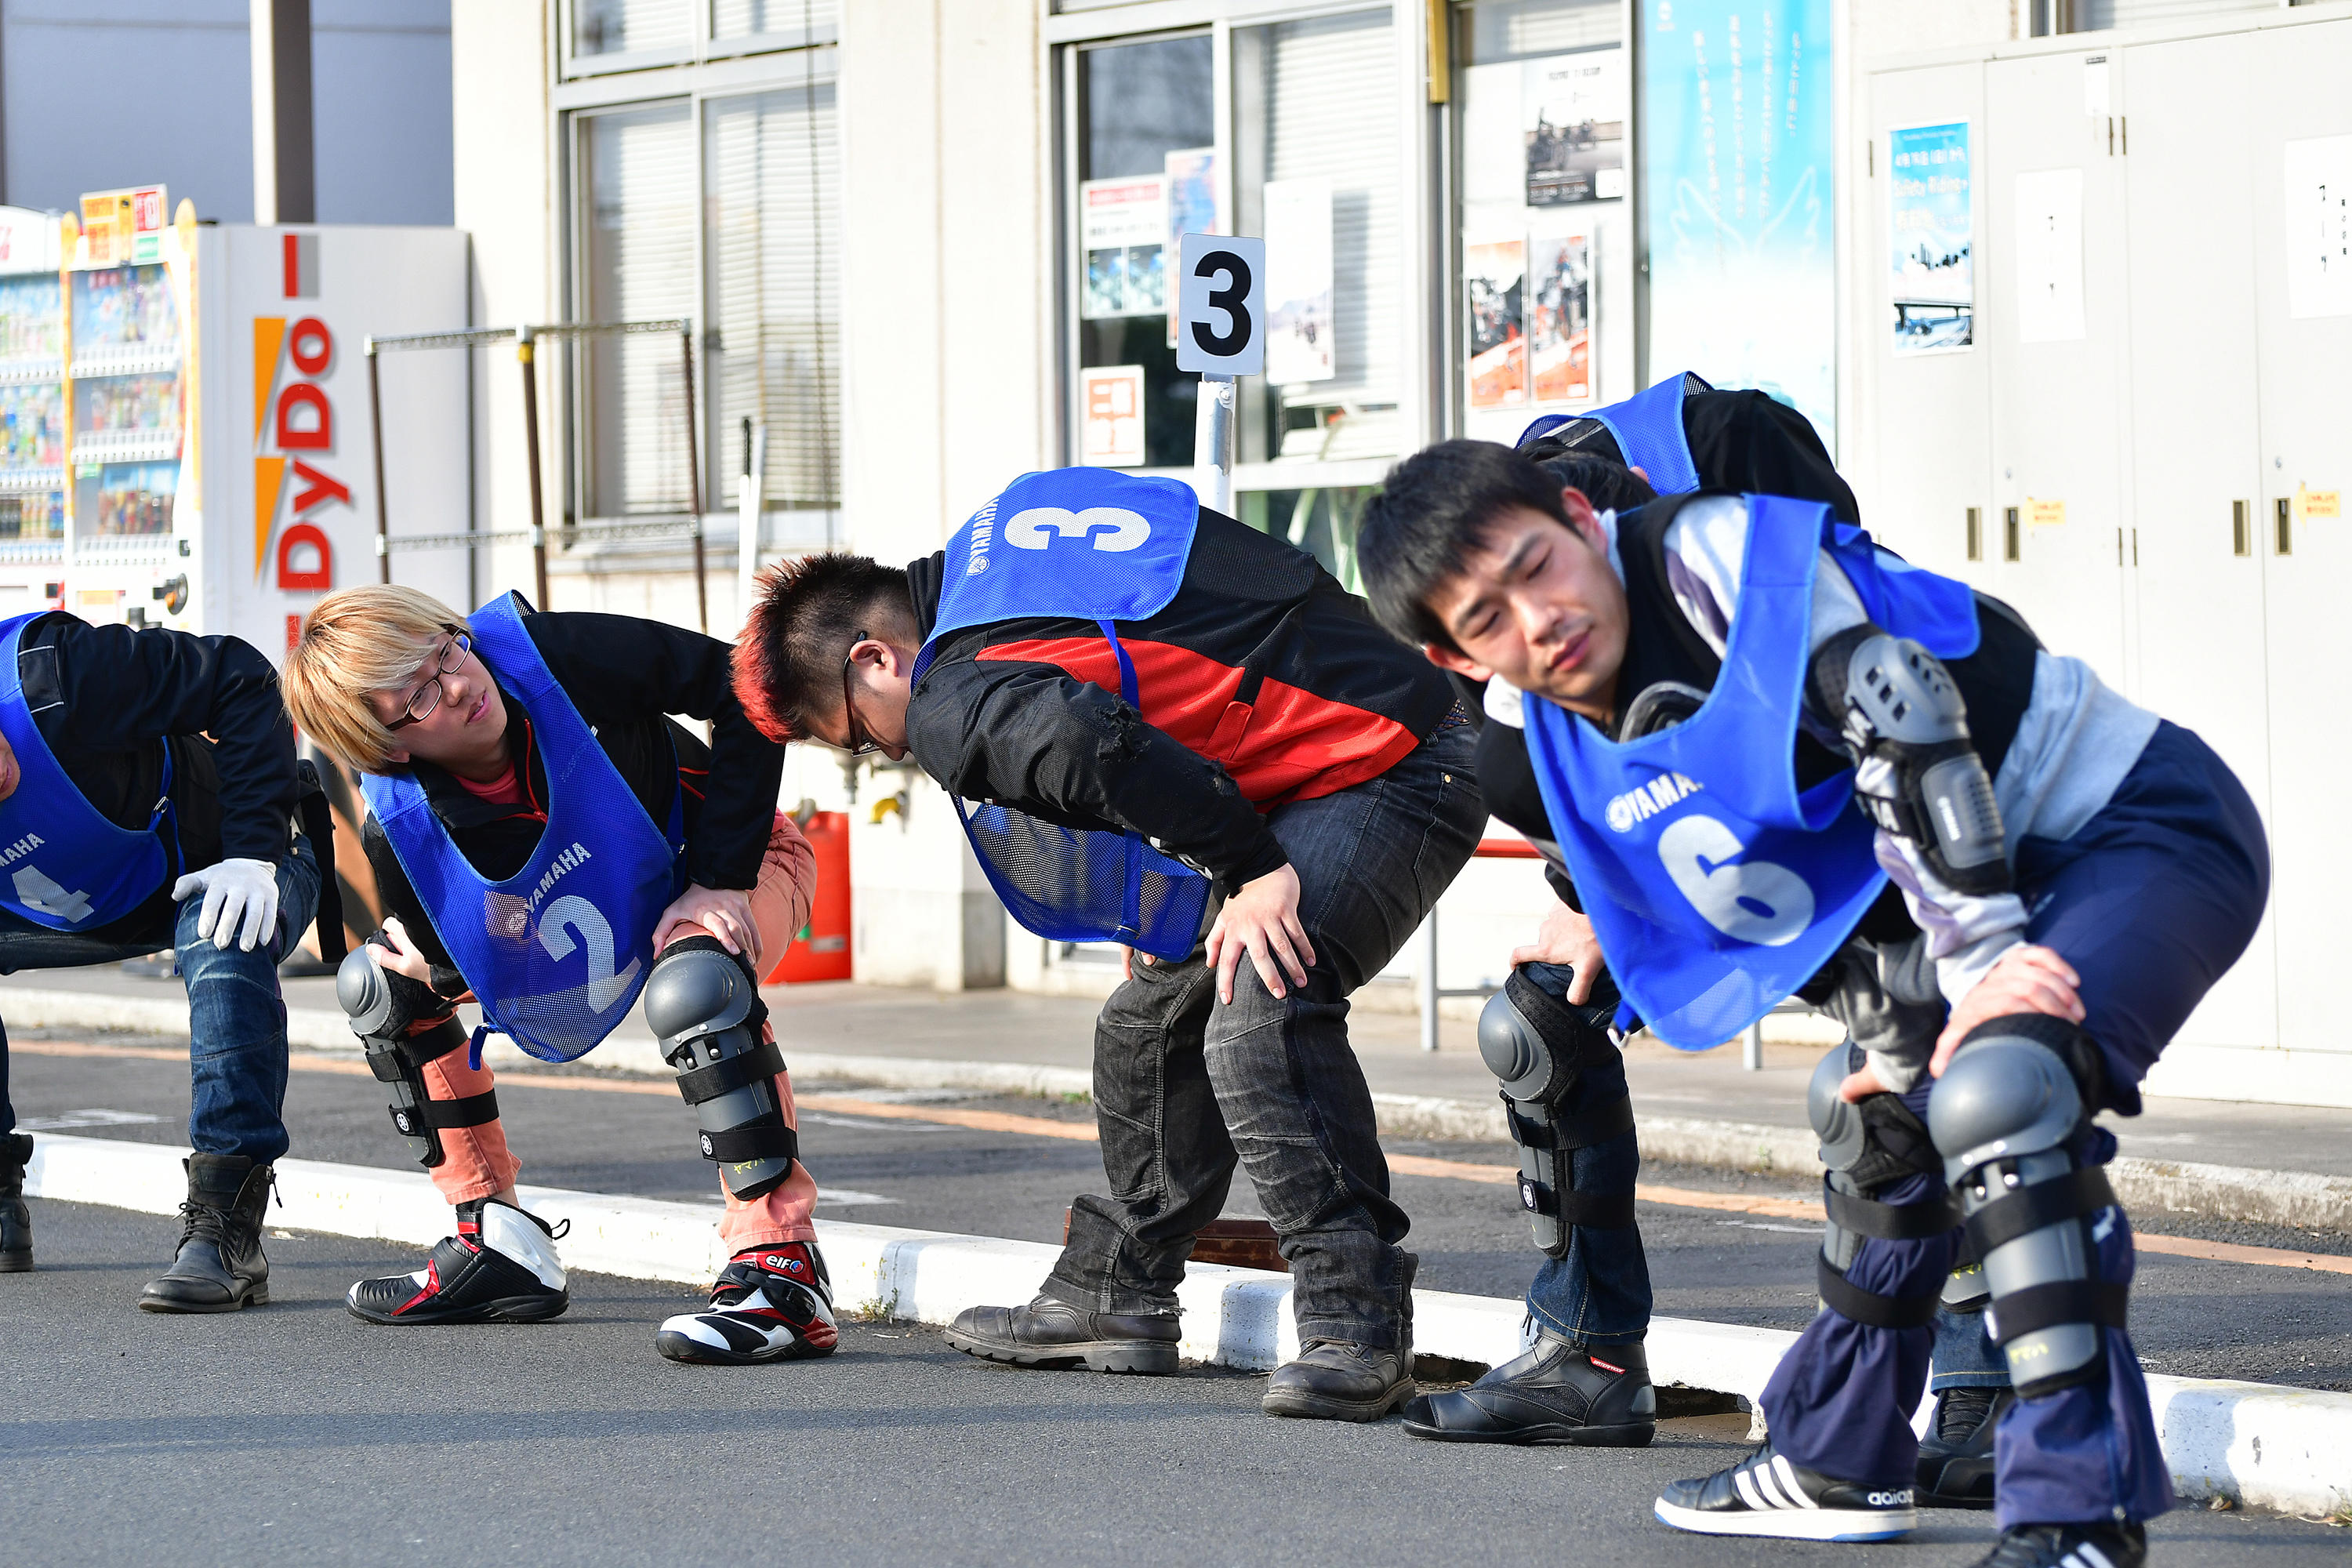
<point>557,952</point>
<point>62,865</point>
<point>1715,886</point>
<point>1081,544</point>
<point>1648,427</point>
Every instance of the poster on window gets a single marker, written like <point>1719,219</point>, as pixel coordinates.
<point>1572,118</point>
<point>1933,216</point>
<point>1123,229</point>
<point>1192,206</point>
<point>1559,318</point>
<point>1299,340</point>
<point>1110,399</point>
<point>1495,277</point>
<point>1738,179</point>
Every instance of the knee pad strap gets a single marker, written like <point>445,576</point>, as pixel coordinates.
<point>1539,1047</point>
<point>1890,1222</point>
<point>416,1116</point>
<point>727,1074</point>
<point>704,1006</point>
<point>1848,1299</point>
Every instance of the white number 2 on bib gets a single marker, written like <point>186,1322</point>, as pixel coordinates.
<point>1753,901</point>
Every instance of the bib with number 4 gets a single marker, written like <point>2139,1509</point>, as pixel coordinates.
<point>557,952</point>
<point>1715,886</point>
<point>63,865</point>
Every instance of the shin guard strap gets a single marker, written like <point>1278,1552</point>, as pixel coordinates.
<point>1890,1222</point>
<point>2044,1204</point>
<point>2037,1307</point>
<point>1869,1308</point>
<point>754,1141</point>
<point>473,1110</point>
<point>1595,1211</point>
<point>731,1073</point>
<point>1588,1129</point>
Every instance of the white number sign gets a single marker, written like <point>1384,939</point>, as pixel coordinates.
<point>1221,305</point>
<point>36,890</point>
<point>582,918</point>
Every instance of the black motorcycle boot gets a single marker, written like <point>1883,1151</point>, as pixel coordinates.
<point>1956,1455</point>
<point>1557,1392</point>
<point>1334,1380</point>
<point>220,1267</point>
<point>1050,1333</point>
<point>16,1219</point>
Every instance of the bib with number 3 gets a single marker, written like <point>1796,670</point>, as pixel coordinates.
<point>557,952</point>
<point>1715,886</point>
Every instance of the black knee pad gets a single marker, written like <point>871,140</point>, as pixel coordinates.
<point>2005,1115</point>
<point>382,1008</point>
<point>703,1005</point>
<point>1538,1046</point>
<point>1868,1146</point>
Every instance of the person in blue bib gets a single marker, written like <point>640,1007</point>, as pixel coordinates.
<point>148,796</point>
<point>1585,1379</point>
<point>1745,719</point>
<point>1167,730</point>
<point>548,843</point>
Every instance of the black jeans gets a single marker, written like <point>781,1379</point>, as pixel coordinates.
<point>1185,1086</point>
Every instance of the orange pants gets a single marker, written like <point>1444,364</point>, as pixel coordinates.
<point>477,1164</point>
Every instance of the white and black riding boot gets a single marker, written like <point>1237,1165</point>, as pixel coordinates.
<point>771,1303</point>
<point>501,1268</point>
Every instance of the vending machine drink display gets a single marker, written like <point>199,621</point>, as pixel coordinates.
<point>184,410</point>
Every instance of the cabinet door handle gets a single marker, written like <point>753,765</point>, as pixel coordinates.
<point>2284,512</point>
<point>2242,529</point>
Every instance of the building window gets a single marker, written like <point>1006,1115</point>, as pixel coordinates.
<point>1146,129</point>
<point>630,26</point>
<point>1319,172</point>
<point>770,175</point>
<point>638,184</point>
<point>799,19</point>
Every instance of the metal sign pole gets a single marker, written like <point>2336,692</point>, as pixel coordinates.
<point>749,499</point>
<point>375,436</point>
<point>693,481</point>
<point>530,451</point>
<point>1213,443</point>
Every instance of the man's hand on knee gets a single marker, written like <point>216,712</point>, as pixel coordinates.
<point>1565,938</point>
<point>1262,921</point>
<point>2028,979</point>
<point>723,912</point>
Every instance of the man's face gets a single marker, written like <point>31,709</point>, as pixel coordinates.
<point>468,721</point>
<point>10,774</point>
<point>875,690</point>
<point>1538,606</point>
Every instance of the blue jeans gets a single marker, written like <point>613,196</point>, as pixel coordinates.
<point>236,1018</point>
<point>1186,1087</point>
<point>1599,1293</point>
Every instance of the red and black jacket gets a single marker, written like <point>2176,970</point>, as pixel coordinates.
<point>1263,682</point>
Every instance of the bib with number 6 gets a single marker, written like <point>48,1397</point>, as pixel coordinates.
<point>557,952</point>
<point>1715,886</point>
<point>62,865</point>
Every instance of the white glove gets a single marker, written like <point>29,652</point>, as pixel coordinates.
<point>235,891</point>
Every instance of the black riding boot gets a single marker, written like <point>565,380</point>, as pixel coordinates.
<point>15,1220</point>
<point>220,1267</point>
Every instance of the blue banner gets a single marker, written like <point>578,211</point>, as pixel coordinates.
<point>1741,196</point>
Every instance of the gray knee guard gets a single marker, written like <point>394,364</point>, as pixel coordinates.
<point>2002,1117</point>
<point>706,1013</point>
<point>1895,701</point>
<point>372,1000</point>
<point>1868,1147</point>
<point>1537,1046</point>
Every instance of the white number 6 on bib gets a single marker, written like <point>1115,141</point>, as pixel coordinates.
<point>1754,901</point>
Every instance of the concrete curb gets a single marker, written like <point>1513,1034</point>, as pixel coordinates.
<point>2292,1198</point>
<point>2257,1444</point>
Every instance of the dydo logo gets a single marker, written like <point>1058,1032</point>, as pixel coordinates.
<point>294,427</point>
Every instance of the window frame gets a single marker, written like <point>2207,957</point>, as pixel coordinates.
<point>1419,400</point>
<point>763,66</point>
<point>703,48</point>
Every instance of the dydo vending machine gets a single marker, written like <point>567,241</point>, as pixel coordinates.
<point>183,408</point>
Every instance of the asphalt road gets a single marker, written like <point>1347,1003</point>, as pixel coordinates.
<point>2190,1317</point>
<point>295,1434</point>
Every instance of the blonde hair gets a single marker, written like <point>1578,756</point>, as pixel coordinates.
<point>356,641</point>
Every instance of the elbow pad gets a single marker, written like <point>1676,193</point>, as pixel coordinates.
<point>1894,702</point>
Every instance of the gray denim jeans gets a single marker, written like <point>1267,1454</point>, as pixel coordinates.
<point>1185,1086</point>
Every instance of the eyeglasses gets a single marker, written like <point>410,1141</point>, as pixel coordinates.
<point>427,697</point>
<point>860,743</point>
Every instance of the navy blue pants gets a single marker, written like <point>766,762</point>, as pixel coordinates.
<point>1600,1292</point>
<point>236,1018</point>
<point>2150,901</point>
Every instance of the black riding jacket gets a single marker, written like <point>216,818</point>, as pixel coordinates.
<point>112,702</point>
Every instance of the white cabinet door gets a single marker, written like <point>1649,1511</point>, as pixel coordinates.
<point>1930,444</point>
<point>2202,659</point>
<point>2059,377</point>
<point>2306,433</point>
